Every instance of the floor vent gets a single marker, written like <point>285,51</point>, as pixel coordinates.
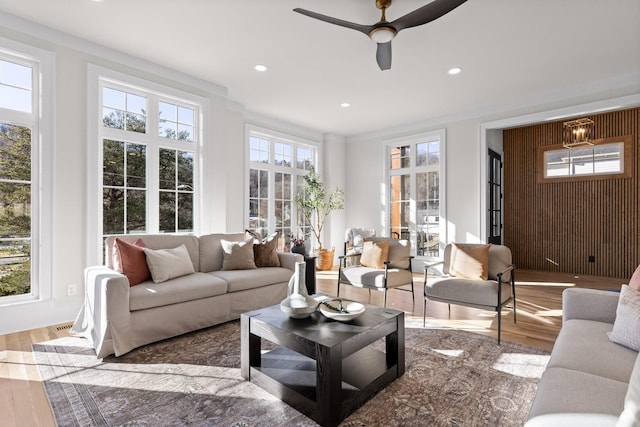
<point>63,327</point>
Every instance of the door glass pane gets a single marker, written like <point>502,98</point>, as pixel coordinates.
<point>400,157</point>
<point>428,214</point>
<point>400,213</point>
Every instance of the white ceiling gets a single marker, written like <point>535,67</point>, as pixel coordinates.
<point>510,51</point>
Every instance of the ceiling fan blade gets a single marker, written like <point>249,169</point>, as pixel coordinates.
<point>366,29</point>
<point>427,13</point>
<point>383,55</point>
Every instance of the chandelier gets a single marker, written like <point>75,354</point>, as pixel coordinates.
<point>577,132</point>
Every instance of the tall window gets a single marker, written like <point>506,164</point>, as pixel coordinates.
<point>416,192</point>
<point>24,176</point>
<point>149,143</point>
<point>277,164</point>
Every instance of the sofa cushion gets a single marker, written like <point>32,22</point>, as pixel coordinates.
<point>579,340</point>
<point>626,328</point>
<point>129,259</point>
<point>240,280</point>
<point>185,288</point>
<point>568,390</point>
<point>374,278</point>
<point>469,261</point>
<point>211,253</point>
<point>166,264</point>
<point>477,293</point>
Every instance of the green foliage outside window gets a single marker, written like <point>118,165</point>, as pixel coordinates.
<point>15,209</point>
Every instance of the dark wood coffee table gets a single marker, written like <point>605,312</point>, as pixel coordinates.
<point>323,368</point>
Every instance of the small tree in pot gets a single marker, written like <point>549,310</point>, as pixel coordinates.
<point>314,206</point>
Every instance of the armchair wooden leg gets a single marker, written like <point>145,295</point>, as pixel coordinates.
<point>338,291</point>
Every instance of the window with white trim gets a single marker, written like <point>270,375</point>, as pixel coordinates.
<point>416,208</point>
<point>149,144</point>
<point>25,174</point>
<point>277,164</point>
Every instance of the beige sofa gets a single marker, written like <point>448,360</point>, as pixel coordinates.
<point>117,318</point>
<point>588,377</point>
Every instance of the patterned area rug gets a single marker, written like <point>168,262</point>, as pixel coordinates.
<point>452,378</point>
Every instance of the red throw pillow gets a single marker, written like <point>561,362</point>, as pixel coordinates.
<point>131,261</point>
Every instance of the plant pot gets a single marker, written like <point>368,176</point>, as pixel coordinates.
<point>325,259</point>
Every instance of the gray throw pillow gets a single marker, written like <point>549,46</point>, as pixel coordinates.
<point>626,328</point>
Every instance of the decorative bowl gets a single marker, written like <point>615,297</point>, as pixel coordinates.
<point>350,309</point>
<point>299,313</point>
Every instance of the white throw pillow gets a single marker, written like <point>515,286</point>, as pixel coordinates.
<point>165,264</point>
<point>630,417</point>
<point>626,328</point>
<point>238,255</point>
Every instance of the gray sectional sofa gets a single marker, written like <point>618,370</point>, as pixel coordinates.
<point>117,318</point>
<point>588,376</point>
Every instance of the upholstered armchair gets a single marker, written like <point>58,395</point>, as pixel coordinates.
<point>385,263</point>
<point>472,275</point>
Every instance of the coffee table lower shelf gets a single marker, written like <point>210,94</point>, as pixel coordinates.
<point>292,377</point>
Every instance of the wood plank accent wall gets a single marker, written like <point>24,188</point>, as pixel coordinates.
<point>557,226</point>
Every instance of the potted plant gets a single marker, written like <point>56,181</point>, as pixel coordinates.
<point>314,206</point>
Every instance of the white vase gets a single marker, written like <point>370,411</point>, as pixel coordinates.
<point>298,304</point>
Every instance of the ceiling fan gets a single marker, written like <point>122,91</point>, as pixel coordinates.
<point>382,32</point>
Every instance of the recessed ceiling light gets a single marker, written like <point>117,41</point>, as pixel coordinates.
<point>345,105</point>
<point>260,68</point>
<point>455,70</point>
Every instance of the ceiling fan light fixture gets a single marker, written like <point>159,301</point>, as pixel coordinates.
<point>382,34</point>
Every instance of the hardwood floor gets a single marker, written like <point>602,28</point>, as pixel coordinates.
<point>539,316</point>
